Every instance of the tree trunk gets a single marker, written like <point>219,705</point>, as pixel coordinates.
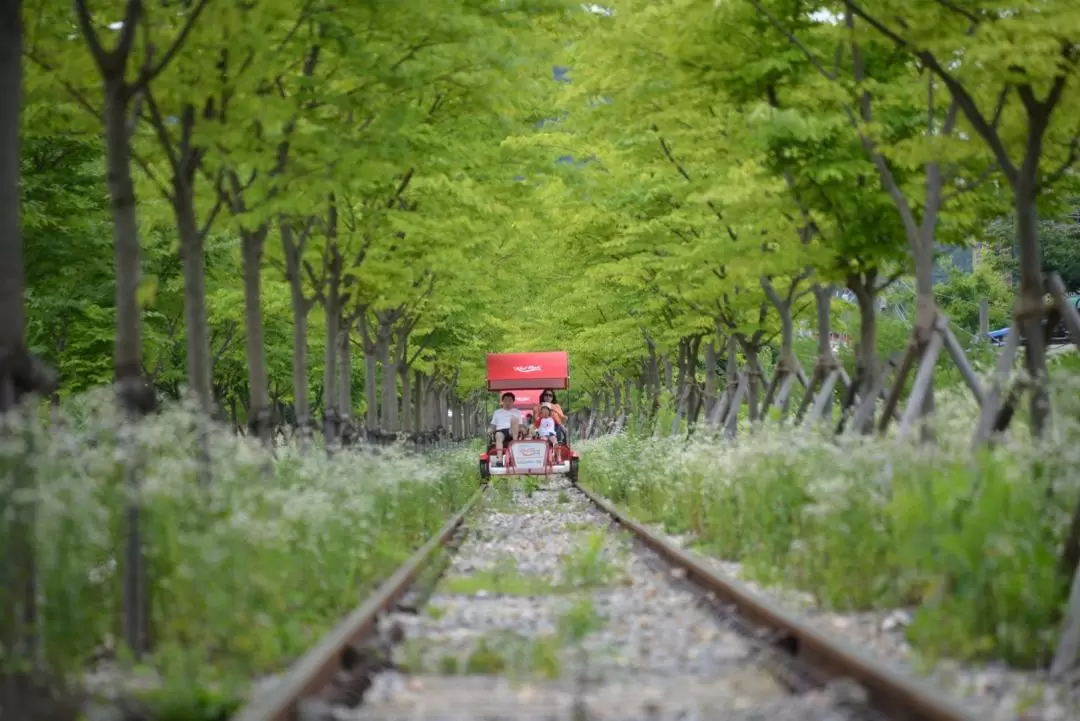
<point>345,383</point>
<point>371,394</point>
<point>135,395</point>
<point>12,280</point>
<point>711,384</point>
<point>443,406</point>
<point>864,286</point>
<point>408,419</point>
<point>751,349</point>
<point>301,306</point>
<point>926,307</point>
<point>258,385</point>
<point>1029,312</point>
<point>457,428</point>
<point>198,328</point>
<point>387,386</point>
<point>194,261</point>
<point>332,313</point>
<point>419,413</point>
<point>18,572</point>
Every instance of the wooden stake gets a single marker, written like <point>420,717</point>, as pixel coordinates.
<point>992,400</point>
<point>1068,648</point>
<point>892,401</point>
<point>731,423</point>
<point>952,346</point>
<point>823,398</point>
<point>923,378</point>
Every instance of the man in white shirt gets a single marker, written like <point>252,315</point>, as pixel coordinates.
<point>505,422</point>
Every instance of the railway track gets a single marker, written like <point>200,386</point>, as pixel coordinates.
<point>544,602</point>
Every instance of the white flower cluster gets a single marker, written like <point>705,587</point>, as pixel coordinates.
<point>229,531</point>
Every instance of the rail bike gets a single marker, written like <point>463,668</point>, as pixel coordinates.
<point>526,377</point>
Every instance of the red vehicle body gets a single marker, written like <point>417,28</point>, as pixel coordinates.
<point>526,375</point>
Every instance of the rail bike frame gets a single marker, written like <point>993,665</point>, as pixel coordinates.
<point>526,375</point>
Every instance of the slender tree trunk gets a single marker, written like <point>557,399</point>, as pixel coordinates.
<point>419,413</point>
<point>864,286</point>
<point>457,427</point>
<point>823,305</point>
<point>332,313</point>
<point>345,383</point>
<point>12,281</point>
<point>254,242</point>
<point>195,317</point>
<point>136,396</point>
<point>408,418</point>
<point>301,306</point>
<point>926,311</point>
<point>751,349</point>
<point>198,327</point>
<point>1029,308</point>
<point>18,564</point>
<point>387,386</point>
<point>371,394</point>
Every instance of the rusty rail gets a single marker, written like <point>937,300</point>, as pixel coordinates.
<point>317,667</point>
<point>896,695</point>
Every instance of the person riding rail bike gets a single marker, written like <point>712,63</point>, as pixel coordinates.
<point>504,424</point>
<point>547,397</point>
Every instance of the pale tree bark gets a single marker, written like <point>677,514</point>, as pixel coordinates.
<point>293,245</point>
<point>420,400</point>
<point>387,376</point>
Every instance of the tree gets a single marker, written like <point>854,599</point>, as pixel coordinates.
<point>1019,135</point>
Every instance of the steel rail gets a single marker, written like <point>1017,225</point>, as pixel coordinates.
<point>894,694</point>
<point>315,669</point>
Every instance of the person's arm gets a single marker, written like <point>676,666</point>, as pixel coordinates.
<point>491,424</point>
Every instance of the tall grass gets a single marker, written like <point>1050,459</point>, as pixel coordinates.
<point>972,541</point>
<point>245,574</point>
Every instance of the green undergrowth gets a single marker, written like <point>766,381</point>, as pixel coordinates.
<point>496,653</point>
<point>245,573</point>
<point>972,542</point>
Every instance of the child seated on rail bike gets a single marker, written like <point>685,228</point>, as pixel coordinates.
<point>546,429</point>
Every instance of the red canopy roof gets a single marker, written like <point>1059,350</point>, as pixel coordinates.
<point>506,371</point>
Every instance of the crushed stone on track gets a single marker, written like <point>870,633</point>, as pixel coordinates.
<point>545,613</point>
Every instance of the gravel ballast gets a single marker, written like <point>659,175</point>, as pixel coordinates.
<point>994,692</point>
<point>546,611</point>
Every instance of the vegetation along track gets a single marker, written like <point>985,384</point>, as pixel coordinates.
<point>547,609</point>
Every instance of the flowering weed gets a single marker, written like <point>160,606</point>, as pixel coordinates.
<point>972,541</point>
<point>246,573</point>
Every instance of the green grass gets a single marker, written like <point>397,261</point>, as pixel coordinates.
<point>245,574</point>
<point>495,653</point>
<point>972,542</point>
<point>498,583</point>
